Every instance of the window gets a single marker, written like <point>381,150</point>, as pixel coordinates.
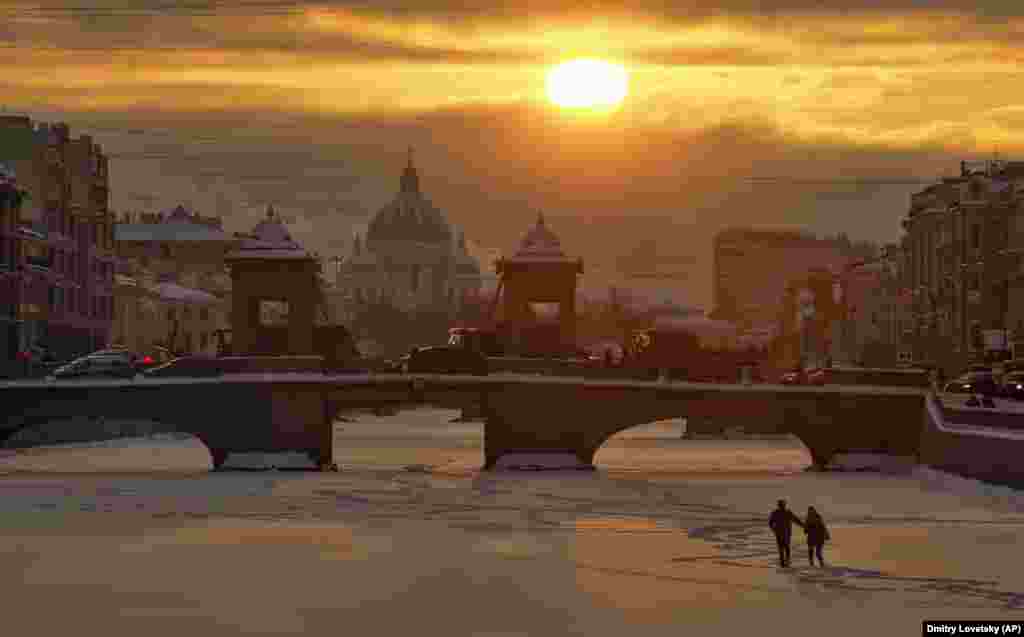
<point>273,312</point>
<point>204,315</point>
<point>187,311</point>
<point>976,236</point>
<point>170,314</point>
<point>204,340</point>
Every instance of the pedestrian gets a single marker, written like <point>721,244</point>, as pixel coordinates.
<point>817,535</point>
<point>781,523</point>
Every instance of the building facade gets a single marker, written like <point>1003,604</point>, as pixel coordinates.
<point>153,311</point>
<point>410,257</point>
<point>877,311</point>
<point>753,267</point>
<point>178,243</point>
<point>174,289</point>
<point>963,240</point>
<point>812,311</point>
<point>57,287</point>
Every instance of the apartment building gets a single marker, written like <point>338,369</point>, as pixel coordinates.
<point>963,243</point>
<point>752,268</point>
<point>57,240</point>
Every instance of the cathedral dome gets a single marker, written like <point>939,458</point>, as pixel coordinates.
<point>410,217</point>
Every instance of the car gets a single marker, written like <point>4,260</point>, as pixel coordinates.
<point>817,376</point>
<point>444,360</point>
<point>186,367</point>
<point>810,376</point>
<point>974,383</point>
<point>1013,385</point>
<point>794,377</point>
<point>103,364</point>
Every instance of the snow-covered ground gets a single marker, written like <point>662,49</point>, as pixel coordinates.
<point>667,536</point>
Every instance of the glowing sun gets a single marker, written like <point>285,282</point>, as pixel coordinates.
<point>591,84</point>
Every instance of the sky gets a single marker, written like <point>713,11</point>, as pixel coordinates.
<point>824,114</point>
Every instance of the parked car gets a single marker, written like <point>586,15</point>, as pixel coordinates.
<point>1013,385</point>
<point>794,377</point>
<point>811,376</point>
<point>186,367</point>
<point>444,360</point>
<point>102,364</point>
<point>817,376</point>
<point>974,383</point>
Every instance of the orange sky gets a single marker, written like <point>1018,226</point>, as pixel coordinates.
<point>716,96</point>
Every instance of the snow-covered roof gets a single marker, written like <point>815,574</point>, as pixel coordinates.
<point>173,292</point>
<point>256,253</point>
<point>529,259</point>
<point>169,231</point>
<point>269,240</point>
<point>540,243</point>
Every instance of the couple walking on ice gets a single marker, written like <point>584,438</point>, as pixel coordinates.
<point>781,523</point>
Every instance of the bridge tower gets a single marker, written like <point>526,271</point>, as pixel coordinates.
<point>275,292</point>
<point>539,272</point>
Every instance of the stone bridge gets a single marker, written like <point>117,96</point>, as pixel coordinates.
<point>279,412</point>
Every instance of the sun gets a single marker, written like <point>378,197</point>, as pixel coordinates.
<point>587,84</point>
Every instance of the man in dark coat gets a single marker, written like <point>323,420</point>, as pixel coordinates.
<point>781,523</point>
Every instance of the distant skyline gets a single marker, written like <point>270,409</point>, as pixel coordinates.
<point>230,106</point>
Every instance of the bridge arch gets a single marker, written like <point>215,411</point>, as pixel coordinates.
<point>582,418</point>
<point>660,446</point>
<point>87,425</point>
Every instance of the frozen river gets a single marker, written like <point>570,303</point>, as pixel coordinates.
<point>135,537</point>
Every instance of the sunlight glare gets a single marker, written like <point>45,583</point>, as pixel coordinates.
<point>587,84</point>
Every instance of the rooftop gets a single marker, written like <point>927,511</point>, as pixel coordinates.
<point>410,217</point>
<point>177,225</point>
<point>269,240</point>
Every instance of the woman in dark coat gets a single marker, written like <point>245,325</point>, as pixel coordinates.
<point>817,534</point>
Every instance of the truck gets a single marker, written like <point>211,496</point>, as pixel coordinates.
<point>677,354</point>
<point>534,349</point>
